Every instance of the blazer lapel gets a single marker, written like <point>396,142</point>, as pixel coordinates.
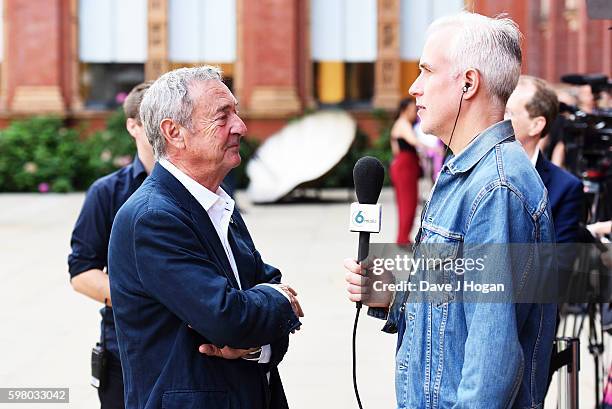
<point>209,233</point>
<point>543,169</point>
<point>242,255</point>
<point>204,226</point>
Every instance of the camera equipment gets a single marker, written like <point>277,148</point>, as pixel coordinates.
<point>599,9</point>
<point>99,357</point>
<point>588,145</point>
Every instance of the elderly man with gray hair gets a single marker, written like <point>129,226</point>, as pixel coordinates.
<point>201,320</point>
<point>458,348</point>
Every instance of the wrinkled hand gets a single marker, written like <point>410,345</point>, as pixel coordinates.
<point>295,304</point>
<point>225,352</point>
<point>358,286</point>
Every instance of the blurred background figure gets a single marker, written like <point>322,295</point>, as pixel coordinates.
<point>532,108</point>
<point>552,145</point>
<point>405,169</point>
<point>586,100</point>
<point>87,263</point>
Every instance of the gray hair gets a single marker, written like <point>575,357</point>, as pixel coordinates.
<point>168,98</point>
<point>490,45</point>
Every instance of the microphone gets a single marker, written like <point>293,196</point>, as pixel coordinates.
<point>368,177</point>
<point>365,218</point>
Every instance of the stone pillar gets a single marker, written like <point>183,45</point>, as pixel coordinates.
<point>606,47</point>
<point>268,33</point>
<point>387,76</point>
<point>34,60</point>
<point>582,20</point>
<point>552,24</point>
<point>73,95</point>
<point>305,65</point>
<point>157,39</point>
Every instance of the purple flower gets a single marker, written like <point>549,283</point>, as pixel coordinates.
<point>43,187</point>
<point>120,97</point>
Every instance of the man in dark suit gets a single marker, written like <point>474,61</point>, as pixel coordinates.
<point>532,108</point>
<point>201,320</point>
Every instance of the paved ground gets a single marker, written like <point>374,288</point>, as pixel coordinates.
<point>48,329</point>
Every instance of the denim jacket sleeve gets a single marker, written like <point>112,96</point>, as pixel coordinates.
<point>494,362</point>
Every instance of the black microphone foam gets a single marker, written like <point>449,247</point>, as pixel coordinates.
<point>368,177</point>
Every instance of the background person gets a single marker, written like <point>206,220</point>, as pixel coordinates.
<point>553,144</point>
<point>532,108</point>
<point>405,169</point>
<point>87,263</point>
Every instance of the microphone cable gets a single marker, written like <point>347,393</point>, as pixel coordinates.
<point>357,311</point>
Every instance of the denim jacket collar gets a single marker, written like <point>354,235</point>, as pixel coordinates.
<point>478,148</point>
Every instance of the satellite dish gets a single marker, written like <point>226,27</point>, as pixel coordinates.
<point>301,152</point>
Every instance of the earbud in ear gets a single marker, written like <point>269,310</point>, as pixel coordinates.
<point>466,87</point>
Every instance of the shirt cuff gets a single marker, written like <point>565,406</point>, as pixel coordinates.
<point>266,354</point>
<point>278,288</point>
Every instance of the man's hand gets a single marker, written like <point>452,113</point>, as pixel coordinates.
<point>358,286</point>
<point>225,352</point>
<point>295,304</point>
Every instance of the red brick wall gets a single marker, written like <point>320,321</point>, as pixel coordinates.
<point>270,44</point>
<point>552,49</point>
<point>34,49</point>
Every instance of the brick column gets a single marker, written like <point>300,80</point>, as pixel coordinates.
<point>305,65</point>
<point>71,47</point>
<point>533,44</point>
<point>35,60</point>
<point>267,65</point>
<point>387,77</point>
<point>606,40</point>
<point>157,39</point>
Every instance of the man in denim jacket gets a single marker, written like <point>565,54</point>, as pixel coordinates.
<point>457,352</point>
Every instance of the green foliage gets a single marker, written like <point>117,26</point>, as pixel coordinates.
<point>342,175</point>
<point>381,148</point>
<point>247,149</point>
<point>109,149</point>
<point>41,154</point>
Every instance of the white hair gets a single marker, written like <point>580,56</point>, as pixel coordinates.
<point>168,98</point>
<point>490,45</point>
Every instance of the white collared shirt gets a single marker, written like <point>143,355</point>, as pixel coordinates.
<point>220,207</point>
<point>534,158</point>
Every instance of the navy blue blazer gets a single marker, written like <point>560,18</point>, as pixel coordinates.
<point>168,271</point>
<point>565,196</point>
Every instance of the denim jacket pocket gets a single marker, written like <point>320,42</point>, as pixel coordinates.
<point>436,255</point>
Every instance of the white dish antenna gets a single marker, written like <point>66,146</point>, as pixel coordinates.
<point>301,152</point>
